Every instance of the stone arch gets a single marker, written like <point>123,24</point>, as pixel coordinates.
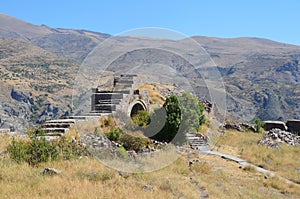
<point>136,106</point>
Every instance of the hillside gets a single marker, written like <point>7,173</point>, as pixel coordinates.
<point>74,44</point>
<point>35,84</point>
<point>261,76</point>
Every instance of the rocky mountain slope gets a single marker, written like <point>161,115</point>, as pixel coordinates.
<point>35,84</point>
<point>40,63</point>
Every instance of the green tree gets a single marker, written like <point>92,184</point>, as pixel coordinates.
<point>172,120</point>
<point>258,124</point>
<point>183,114</point>
<point>192,112</point>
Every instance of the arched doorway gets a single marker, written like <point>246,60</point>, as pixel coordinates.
<point>135,107</point>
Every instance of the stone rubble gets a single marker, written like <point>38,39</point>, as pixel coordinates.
<point>269,143</point>
<point>101,142</point>
<point>284,136</point>
<point>233,125</point>
<point>277,135</point>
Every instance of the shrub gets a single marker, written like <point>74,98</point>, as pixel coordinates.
<point>115,134</point>
<point>135,142</point>
<point>258,125</point>
<point>121,152</point>
<point>142,118</point>
<point>33,152</point>
<point>69,149</point>
<point>18,150</point>
<point>38,149</point>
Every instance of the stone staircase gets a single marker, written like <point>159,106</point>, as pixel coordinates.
<point>56,128</point>
<point>102,103</point>
<point>197,142</point>
<point>107,102</point>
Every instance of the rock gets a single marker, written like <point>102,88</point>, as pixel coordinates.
<point>21,96</point>
<point>269,143</point>
<point>51,171</point>
<point>283,136</point>
<point>279,135</point>
<point>233,125</point>
<point>123,174</point>
<point>148,187</point>
<point>248,127</point>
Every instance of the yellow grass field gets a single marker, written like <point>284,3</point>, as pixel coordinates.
<point>88,178</point>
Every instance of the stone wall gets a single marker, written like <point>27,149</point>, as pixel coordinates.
<point>274,124</point>
<point>121,98</point>
<point>293,126</point>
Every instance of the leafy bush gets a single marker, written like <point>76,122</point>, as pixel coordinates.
<point>121,152</point>
<point>18,150</point>
<point>32,152</point>
<point>172,120</point>
<point>258,124</point>
<point>38,149</point>
<point>115,134</point>
<point>135,142</point>
<point>142,118</point>
<point>69,148</point>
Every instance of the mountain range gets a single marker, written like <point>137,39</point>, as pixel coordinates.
<point>38,65</point>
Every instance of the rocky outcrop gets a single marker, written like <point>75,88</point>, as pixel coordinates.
<point>49,111</point>
<point>233,126</point>
<point>20,110</point>
<point>21,96</point>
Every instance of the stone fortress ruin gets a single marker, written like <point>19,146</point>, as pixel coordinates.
<point>122,97</point>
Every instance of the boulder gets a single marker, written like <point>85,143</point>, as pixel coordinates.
<point>51,171</point>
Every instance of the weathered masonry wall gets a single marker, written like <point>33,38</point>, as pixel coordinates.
<point>121,98</point>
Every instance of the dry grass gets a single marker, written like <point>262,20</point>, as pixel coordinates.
<point>155,95</point>
<point>90,178</point>
<point>284,162</point>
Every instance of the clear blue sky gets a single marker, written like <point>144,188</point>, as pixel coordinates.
<point>277,20</point>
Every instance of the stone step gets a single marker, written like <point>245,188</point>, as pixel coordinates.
<point>69,121</point>
<point>55,130</point>
<point>108,96</point>
<point>110,101</point>
<point>56,125</point>
<point>197,143</point>
<point>100,112</point>
<point>105,107</point>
